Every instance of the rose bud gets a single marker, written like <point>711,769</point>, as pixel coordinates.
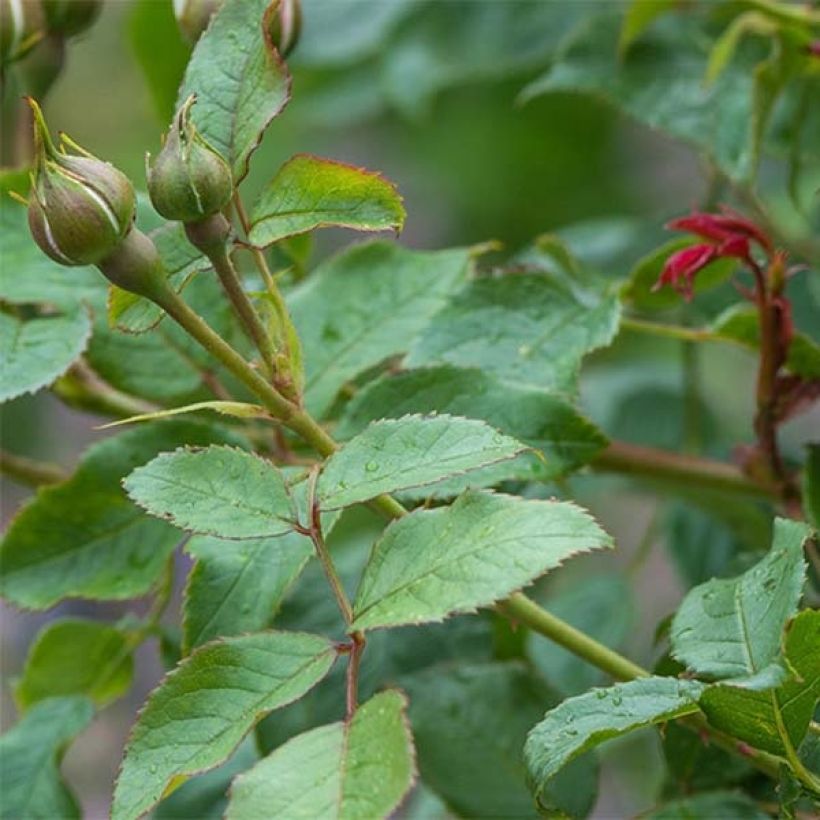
<point>80,207</point>
<point>189,180</point>
<point>21,27</point>
<point>285,26</point>
<point>193,16</point>
<point>70,17</point>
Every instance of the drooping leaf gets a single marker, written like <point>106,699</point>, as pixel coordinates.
<point>153,31</point>
<point>37,351</point>
<point>236,586</point>
<point>754,716</point>
<point>76,657</point>
<point>364,305</point>
<point>239,79</point>
<point>217,491</point>
<point>136,314</point>
<point>743,617</point>
<point>434,563</point>
<point>395,454</point>
<point>710,804</point>
<point>659,82</point>
<point>583,722</point>
<point>310,192</point>
<point>84,538</point>
<point>741,325</point>
<point>356,770</point>
<point>30,277</point>
<point>198,714</point>
<point>599,605</point>
<point>30,754</point>
<point>545,422</point>
<point>236,409</point>
<point>528,330</point>
<point>470,722</point>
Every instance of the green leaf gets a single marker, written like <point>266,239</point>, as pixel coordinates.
<point>216,491</point>
<point>356,770</point>
<point>236,586</point>
<point>527,329</point>
<point>37,351</point>
<point>470,722</point>
<point>725,47</point>
<point>434,563</point>
<point>400,290</point>
<point>659,82</point>
<point>239,79</point>
<point>742,325</point>
<point>754,716</point>
<point>711,804</point>
<point>76,657</point>
<point>542,421</point>
<point>603,607</point>
<point>639,287</point>
<point>38,279</point>
<point>30,753</point>
<point>811,486</point>
<point>395,454</point>
<point>136,314</point>
<point>743,617</point>
<point>161,52</point>
<point>84,538</point>
<point>201,711</point>
<point>311,192</point>
<point>581,723</point>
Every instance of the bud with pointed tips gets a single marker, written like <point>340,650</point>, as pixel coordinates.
<point>189,180</point>
<point>80,208</point>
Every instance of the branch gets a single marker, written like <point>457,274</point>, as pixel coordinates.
<point>29,472</point>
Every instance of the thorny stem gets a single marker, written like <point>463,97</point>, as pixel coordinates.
<point>30,472</point>
<point>517,606</point>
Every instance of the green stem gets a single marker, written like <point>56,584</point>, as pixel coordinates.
<point>229,278</point>
<point>29,472</point>
<point>520,608</point>
<point>661,465</point>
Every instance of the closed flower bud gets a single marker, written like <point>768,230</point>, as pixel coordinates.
<point>286,25</point>
<point>70,17</point>
<point>21,27</point>
<point>193,16</point>
<point>80,207</point>
<point>189,180</point>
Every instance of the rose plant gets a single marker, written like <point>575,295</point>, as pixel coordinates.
<point>369,462</point>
